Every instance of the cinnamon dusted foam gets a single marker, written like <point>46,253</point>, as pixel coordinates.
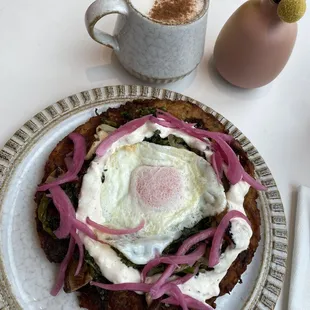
<point>172,12</point>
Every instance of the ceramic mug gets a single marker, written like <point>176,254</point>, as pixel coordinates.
<point>150,50</point>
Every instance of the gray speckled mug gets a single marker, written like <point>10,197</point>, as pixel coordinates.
<point>150,50</point>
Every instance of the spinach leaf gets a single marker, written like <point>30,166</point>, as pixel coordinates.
<point>126,261</point>
<point>186,270</point>
<point>133,114</point>
<point>48,214</point>
<point>156,139</point>
<point>146,111</point>
<point>91,262</point>
<point>107,121</point>
<point>172,248</point>
<point>171,140</point>
<point>158,269</point>
<point>49,223</point>
<point>126,115</point>
<point>72,191</point>
<point>178,142</point>
<point>186,233</point>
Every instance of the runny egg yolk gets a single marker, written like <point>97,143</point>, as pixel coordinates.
<point>157,187</point>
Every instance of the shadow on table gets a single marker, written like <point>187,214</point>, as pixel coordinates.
<point>114,70</point>
<point>230,90</point>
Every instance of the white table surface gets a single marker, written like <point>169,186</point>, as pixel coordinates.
<point>46,54</point>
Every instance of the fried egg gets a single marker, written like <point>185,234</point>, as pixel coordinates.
<point>168,188</point>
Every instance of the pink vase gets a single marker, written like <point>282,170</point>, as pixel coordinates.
<point>254,45</point>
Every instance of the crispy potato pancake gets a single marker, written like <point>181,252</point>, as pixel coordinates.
<point>93,298</point>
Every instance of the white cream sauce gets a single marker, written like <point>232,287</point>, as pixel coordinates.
<point>201,287</point>
<point>206,285</point>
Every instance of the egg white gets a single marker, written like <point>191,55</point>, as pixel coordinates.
<point>201,196</point>
<point>115,202</point>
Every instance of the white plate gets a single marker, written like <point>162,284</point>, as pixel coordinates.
<point>26,276</point>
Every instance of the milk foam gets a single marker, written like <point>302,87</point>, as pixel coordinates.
<point>145,7</point>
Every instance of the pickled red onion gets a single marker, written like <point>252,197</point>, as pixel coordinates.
<point>189,259</point>
<point>217,164</point>
<point>215,251</point>
<point>190,127</point>
<point>78,241</point>
<point>69,162</point>
<point>214,135</point>
<point>68,225</point>
<point>185,278</point>
<point>180,125</point>
<point>138,287</point>
<point>63,267</point>
<point>185,247</point>
<point>223,153</point>
<point>82,227</point>
<point>161,122</point>
<point>255,184</point>
<point>173,290</point>
<point>234,168</point>
<point>235,171</point>
<point>65,209</point>
<point>190,301</point>
<point>112,231</point>
<point>201,236</point>
<point>67,215</point>
<point>174,120</point>
<point>120,132</point>
<point>219,161</point>
<point>79,154</point>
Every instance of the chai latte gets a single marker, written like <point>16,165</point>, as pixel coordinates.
<point>174,12</point>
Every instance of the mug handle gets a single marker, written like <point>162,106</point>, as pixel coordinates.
<point>98,10</point>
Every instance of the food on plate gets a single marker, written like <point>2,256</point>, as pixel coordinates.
<point>151,205</point>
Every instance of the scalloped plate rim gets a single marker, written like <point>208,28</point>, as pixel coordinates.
<point>23,140</point>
